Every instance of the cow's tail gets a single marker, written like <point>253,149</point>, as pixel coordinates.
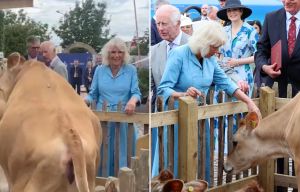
<point>76,165</point>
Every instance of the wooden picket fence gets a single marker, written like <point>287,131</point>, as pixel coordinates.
<point>134,177</point>
<point>191,119</point>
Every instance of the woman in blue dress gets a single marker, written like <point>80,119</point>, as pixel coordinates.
<point>191,69</point>
<point>238,51</point>
<point>115,82</point>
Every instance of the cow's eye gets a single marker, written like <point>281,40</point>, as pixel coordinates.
<point>234,143</point>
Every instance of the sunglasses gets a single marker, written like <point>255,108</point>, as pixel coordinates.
<point>222,0</point>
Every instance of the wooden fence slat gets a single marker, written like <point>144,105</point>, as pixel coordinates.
<point>212,140</point>
<point>130,143</point>
<point>160,107</point>
<point>229,140</point>
<point>171,138</point>
<point>221,142</point>
<point>202,153</point>
<point>238,120</point>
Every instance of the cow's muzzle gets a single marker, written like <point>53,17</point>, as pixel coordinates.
<point>227,168</point>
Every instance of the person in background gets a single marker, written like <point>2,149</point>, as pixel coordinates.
<point>155,37</point>
<point>50,58</point>
<point>76,76</point>
<point>186,25</point>
<point>238,51</point>
<point>282,24</point>
<point>212,13</point>
<point>33,47</point>
<point>257,26</point>
<point>192,68</point>
<point>222,3</point>
<point>98,62</point>
<point>115,82</point>
<point>87,76</point>
<point>168,25</point>
<point>204,9</point>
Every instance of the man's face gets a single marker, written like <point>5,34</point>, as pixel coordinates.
<point>291,6</point>
<point>166,28</point>
<point>222,3</point>
<point>204,9</point>
<point>47,54</point>
<point>33,49</point>
<point>99,59</point>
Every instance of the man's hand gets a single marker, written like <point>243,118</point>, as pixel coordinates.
<point>270,70</point>
<point>243,85</point>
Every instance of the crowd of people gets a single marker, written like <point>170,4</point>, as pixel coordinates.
<point>222,49</point>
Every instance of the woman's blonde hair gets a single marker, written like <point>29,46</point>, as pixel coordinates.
<point>208,33</point>
<point>118,43</point>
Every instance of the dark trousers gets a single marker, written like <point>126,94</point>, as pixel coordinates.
<point>76,84</point>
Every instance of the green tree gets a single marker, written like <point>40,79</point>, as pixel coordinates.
<point>1,30</point>
<point>143,44</point>
<point>143,75</point>
<point>17,27</point>
<point>85,23</point>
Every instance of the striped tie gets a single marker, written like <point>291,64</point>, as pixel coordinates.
<point>292,35</point>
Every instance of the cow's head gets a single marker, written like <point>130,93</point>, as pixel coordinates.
<point>245,145</point>
<point>7,80</point>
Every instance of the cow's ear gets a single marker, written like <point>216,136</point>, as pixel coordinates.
<point>14,59</point>
<point>252,120</point>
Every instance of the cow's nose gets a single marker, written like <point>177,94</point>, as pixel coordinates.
<point>227,168</point>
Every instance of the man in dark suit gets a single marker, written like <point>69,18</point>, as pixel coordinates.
<point>33,47</point>
<point>76,76</point>
<point>283,25</point>
<point>276,27</point>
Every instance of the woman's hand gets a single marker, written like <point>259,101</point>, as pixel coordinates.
<point>243,85</point>
<point>130,106</point>
<point>232,62</point>
<point>193,92</point>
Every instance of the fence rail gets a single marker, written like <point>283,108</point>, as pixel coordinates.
<point>193,119</point>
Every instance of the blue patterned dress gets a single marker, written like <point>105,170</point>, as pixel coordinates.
<point>241,46</point>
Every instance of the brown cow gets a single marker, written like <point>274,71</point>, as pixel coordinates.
<point>49,138</point>
<point>275,136</point>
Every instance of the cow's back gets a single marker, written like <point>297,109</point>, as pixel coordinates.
<point>41,109</point>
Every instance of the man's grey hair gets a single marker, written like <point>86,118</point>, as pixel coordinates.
<point>209,33</point>
<point>175,14</point>
<point>32,39</point>
<point>114,42</point>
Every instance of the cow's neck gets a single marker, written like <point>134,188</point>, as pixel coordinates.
<point>6,85</point>
<point>273,131</point>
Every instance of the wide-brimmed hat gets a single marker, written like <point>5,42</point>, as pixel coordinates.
<point>174,185</point>
<point>232,4</point>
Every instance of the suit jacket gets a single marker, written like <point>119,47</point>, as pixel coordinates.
<point>159,58</point>
<point>274,29</point>
<point>58,66</point>
<point>155,37</point>
<point>72,71</point>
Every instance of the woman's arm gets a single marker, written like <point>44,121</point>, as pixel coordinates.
<point>232,62</point>
<point>250,104</point>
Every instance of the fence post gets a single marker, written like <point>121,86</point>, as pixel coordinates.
<point>126,180</point>
<point>187,139</point>
<point>266,170</point>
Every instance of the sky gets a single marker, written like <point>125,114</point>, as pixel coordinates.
<point>120,12</point>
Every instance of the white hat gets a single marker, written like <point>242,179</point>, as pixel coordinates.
<point>184,21</point>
